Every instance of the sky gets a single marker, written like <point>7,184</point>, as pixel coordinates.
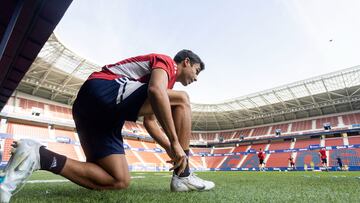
<point>247,45</point>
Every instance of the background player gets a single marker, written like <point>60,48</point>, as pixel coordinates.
<point>261,156</point>
<point>323,157</point>
<point>292,162</point>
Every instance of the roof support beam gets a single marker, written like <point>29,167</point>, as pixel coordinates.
<point>327,91</point>
<point>312,97</point>
<point>267,101</point>
<point>281,101</point>
<point>49,70</point>
<point>255,105</point>
<point>293,95</point>
<point>67,80</point>
<point>347,91</point>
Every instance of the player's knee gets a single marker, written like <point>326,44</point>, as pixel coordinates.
<point>185,98</point>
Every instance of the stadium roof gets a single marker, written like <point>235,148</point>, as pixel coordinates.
<point>58,73</point>
<point>25,26</point>
<point>330,93</point>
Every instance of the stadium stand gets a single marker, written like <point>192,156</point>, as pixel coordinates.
<point>65,149</point>
<point>140,154</point>
<point>349,157</point>
<point>282,127</point>
<point>199,160</point>
<point>353,118</point>
<point>245,133</point>
<point>301,126</point>
<point>134,143</point>
<point>261,131</point>
<point>208,136</point>
<point>296,127</point>
<point>28,105</point>
<point>332,120</point>
<point>60,112</point>
<point>226,135</point>
<point>7,149</point>
<point>201,150</point>
<point>131,158</point>
<point>339,141</point>
<point>306,143</point>
<point>135,130</point>
<point>307,157</point>
<point>354,140</point>
<point>144,153</point>
<point>163,155</point>
<point>152,157</point>
<point>27,131</point>
<point>251,160</point>
<point>216,161</point>
<point>195,136</point>
<point>333,154</point>
<point>278,159</point>
<point>196,162</point>
<point>65,133</point>
<point>36,108</point>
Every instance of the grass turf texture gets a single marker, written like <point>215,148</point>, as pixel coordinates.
<point>230,187</point>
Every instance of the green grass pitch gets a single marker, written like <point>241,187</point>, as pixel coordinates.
<point>230,187</point>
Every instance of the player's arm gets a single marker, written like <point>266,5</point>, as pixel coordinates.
<point>155,132</point>
<point>160,103</point>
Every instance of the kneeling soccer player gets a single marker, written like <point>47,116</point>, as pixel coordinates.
<point>138,86</point>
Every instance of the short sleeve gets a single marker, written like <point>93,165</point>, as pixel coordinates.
<point>166,63</point>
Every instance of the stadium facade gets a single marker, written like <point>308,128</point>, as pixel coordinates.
<point>291,120</point>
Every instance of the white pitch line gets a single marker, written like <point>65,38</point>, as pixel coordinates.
<point>167,176</point>
<point>133,177</point>
<point>62,180</point>
<point>47,181</point>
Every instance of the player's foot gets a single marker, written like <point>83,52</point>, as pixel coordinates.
<point>24,161</point>
<point>190,183</point>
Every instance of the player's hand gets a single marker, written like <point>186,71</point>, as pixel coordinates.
<point>180,159</point>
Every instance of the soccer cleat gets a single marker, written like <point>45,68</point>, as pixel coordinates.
<point>24,161</point>
<point>190,183</point>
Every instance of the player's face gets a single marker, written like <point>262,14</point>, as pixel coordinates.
<point>190,73</point>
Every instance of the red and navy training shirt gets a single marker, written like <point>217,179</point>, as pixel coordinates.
<point>261,155</point>
<point>323,153</point>
<point>138,68</point>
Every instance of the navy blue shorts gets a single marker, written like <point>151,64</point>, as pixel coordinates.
<point>100,110</point>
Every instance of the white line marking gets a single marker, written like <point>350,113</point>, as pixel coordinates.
<point>62,181</point>
<point>133,177</point>
<point>167,176</point>
<point>47,181</point>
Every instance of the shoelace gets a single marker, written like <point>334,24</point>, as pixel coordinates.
<point>195,176</point>
<point>197,179</point>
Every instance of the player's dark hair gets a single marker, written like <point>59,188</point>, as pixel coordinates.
<point>194,58</point>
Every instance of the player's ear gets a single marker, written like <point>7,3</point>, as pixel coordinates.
<point>187,62</point>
